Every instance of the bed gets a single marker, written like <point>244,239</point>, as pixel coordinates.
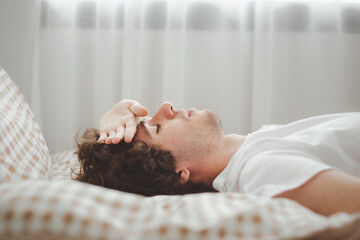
<point>38,199</point>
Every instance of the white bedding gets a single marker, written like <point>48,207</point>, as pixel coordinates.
<point>39,201</point>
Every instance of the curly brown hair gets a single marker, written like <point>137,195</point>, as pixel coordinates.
<point>134,167</point>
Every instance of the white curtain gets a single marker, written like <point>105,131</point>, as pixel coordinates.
<point>254,62</point>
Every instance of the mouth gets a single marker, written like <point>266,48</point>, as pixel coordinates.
<point>190,112</point>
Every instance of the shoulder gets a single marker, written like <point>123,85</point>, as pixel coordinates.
<point>328,192</point>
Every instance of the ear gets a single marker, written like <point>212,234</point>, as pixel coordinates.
<point>184,175</point>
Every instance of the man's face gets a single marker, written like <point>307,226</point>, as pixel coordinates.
<point>190,136</point>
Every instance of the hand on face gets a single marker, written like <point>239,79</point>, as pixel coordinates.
<point>120,122</point>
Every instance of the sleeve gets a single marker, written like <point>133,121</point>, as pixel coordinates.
<point>272,172</point>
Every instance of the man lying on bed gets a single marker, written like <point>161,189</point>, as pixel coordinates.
<point>314,161</point>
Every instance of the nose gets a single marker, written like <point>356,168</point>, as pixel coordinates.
<point>165,112</point>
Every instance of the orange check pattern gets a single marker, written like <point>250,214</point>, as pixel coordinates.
<point>64,164</point>
<point>66,209</point>
<point>23,151</point>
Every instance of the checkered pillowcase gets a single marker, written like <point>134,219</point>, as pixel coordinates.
<point>23,151</point>
<point>64,165</point>
<point>72,210</point>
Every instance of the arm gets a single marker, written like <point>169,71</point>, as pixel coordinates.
<point>120,122</point>
<point>328,192</point>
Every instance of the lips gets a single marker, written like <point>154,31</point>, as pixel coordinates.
<point>190,112</point>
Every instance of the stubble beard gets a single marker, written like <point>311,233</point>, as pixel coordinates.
<point>214,123</point>
<point>206,141</point>
<point>213,133</point>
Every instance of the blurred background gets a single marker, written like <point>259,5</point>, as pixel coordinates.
<point>254,62</point>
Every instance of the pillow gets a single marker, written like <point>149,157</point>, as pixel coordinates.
<point>23,151</point>
<point>70,210</point>
<point>64,165</point>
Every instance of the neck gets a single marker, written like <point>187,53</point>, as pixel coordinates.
<point>230,144</point>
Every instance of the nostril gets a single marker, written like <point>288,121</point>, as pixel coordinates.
<point>171,108</point>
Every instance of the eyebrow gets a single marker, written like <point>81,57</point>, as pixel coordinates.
<point>142,124</point>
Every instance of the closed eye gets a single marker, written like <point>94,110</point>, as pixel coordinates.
<point>142,123</point>
<point>157,128</point>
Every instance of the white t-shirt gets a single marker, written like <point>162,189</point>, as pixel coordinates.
<point>278,158</point>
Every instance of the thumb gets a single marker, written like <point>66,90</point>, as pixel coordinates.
<point>139,110</point>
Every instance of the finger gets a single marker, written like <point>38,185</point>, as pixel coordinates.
<point>130,131</point>
<point>119,135</point>
<point>109,138</point>
<point>139,110</point>
<point>102,137</point>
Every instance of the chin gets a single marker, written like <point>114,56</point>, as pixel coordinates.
<point>213,120</point>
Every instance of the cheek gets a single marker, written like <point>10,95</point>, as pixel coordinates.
<point>169,141</point>
<point>178,133</point>
<point>172,138</point>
